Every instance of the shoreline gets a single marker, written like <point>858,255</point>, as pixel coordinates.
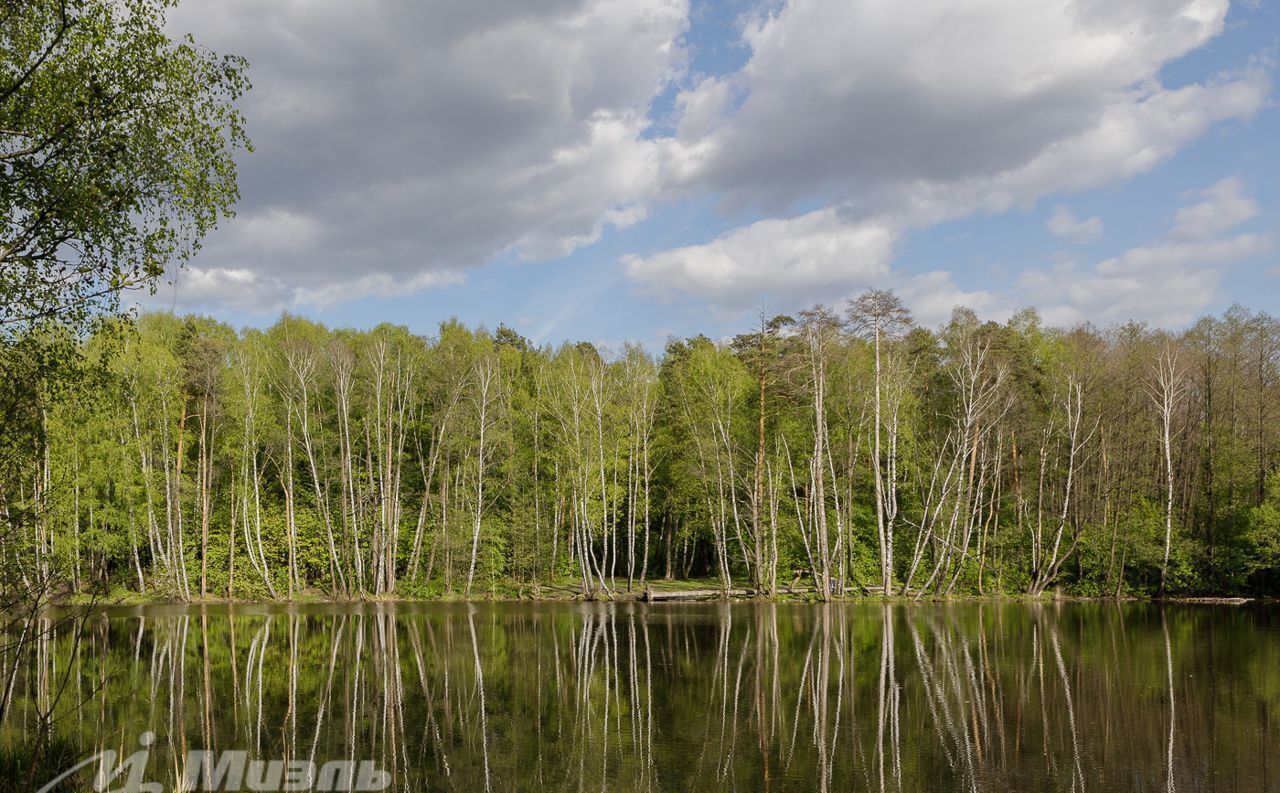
<point>648,596</point>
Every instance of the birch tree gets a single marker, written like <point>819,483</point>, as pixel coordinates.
<point>1167,388</point>
<point>880,315</point>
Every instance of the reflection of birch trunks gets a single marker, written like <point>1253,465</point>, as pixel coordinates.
<point>642,697</point>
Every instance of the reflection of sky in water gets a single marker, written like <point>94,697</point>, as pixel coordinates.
<point>685,697</point>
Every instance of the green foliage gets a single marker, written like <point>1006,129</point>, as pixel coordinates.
<point>36,761</point>
<point>117,145</point>
<point>1262,539</point>
<point>350,463</point>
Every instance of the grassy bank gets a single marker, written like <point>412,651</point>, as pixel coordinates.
<point>570,590</point>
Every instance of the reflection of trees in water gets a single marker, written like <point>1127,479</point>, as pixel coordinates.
<point>1170,784</point>
<point>881,697</point>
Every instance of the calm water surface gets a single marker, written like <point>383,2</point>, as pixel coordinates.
<point>745,697</point>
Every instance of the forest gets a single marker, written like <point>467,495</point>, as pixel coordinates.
<point>839,452</point>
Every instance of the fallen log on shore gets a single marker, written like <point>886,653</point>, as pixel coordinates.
<point>655,595</point>
<point>651,595</point>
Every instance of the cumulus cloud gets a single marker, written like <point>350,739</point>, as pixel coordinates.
<point>1168,281</point>
<point>1064,224</point>
<point>398,144</point>
<point>1222,206</point>
<point>806,258</point>
<point>932,296</point>
<point>905,115</point>
<point>217,288</point>
<point>885,101</point>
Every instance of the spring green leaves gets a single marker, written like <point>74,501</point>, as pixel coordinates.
<point>117,152</point>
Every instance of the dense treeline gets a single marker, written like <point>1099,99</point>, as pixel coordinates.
<point>844,452</point>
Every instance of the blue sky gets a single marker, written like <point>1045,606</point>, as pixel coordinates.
<point>628,169</point>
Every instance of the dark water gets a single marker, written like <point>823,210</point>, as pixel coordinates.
<point>972,697</point>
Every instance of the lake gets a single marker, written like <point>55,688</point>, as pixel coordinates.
<point>683,697</point>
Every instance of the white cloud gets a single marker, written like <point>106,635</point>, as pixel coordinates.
<point>400,143</point>
<point>934,295</point>
<point>824,256</point>
<point>1168,281</point>
<point>1064,224</point>
<point>1222,206</point>
<point>214,288</point>
<point>941,102</point>
<point>907,115</point>
<point>700,107</point>
<point>817,256</point>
